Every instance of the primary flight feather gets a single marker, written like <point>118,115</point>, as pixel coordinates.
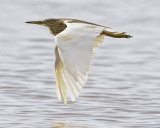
<point>76,42</point>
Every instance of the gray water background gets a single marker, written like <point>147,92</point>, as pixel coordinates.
<point>123,89</point>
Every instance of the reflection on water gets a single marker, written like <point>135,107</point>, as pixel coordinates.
<point>67,125</point>
<point>123,89</point>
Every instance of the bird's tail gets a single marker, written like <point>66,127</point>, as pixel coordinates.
<point>111,33</point>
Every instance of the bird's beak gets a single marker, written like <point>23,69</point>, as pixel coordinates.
<point>35,22</point>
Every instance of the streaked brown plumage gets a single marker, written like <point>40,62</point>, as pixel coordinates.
<point>57,25</point>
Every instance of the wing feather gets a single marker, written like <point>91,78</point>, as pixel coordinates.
<point>97,43</point>
<point>74,51</point>
<point>60,85</point>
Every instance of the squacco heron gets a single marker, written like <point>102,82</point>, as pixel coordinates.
<point>76,43</point>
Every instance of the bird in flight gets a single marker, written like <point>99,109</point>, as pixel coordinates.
<point>76,43</point>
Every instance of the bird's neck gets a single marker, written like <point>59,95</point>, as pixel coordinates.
<point>57,27</point>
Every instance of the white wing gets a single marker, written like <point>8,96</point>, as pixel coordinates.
<point>75,47</point>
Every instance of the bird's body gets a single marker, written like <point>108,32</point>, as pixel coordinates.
<point>76,43</point>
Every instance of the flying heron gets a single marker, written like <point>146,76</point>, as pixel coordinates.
<point>76,43</point>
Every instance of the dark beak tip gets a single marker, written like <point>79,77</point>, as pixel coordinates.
<point>34,22</point>
<point>29,22</point>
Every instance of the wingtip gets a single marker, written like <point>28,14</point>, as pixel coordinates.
<point>129,36</point>
<point>125,35</point>
<point>116,34</point>
<point>65,102</point>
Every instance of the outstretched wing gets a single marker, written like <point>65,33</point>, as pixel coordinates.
<point>74,51</point>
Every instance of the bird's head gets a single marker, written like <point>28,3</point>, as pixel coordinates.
<point>55,25</point>
<point>47,22</point>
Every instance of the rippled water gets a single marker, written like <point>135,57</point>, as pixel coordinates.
<point>123,89</point>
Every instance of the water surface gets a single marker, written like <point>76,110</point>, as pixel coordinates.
<point>123,89</point>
